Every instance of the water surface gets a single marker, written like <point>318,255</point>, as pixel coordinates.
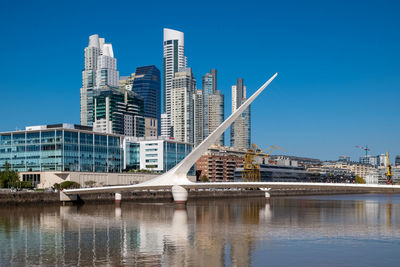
<point>346,230</point>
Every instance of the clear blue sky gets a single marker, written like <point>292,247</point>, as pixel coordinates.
<point>338,63</point>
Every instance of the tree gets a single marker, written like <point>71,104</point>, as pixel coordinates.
<point>90,183</point>
<point>359,180</point>
<point>67,185</point>
<point>204,178</point>
<point>8,178</point>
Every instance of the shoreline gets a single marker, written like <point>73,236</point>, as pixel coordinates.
<point>51,198</point>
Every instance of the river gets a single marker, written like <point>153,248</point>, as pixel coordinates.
<point>341,230</point>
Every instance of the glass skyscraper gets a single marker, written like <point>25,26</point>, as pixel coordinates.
<point>147,84</point>
<point>119,112</point>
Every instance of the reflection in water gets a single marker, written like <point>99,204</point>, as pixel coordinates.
<point>207,233</point>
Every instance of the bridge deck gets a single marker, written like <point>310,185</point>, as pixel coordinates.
<point>228,185</point>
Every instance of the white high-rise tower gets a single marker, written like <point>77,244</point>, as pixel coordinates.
<point>100,70</point>
<point>241,128</point>
<point>182,116</point>
<point>174,61</point>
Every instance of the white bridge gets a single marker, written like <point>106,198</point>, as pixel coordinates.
<point>177,181</point>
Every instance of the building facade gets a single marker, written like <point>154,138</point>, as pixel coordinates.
<point>198,118</point>
<point>182,116</point>
<point>213,105</point>
<point>154,154</point>
<point>147,84</point>
<point>48,154</point>
<point>61,147</point>
<point>118,112</point>
<point>174,60</point>
<point>370,160</point>
<point>150,127</point>
<point>100,70</point>
<point>219,163</point>
<point>358,169</point>
<point>165,129</point>
<point>241,128</point>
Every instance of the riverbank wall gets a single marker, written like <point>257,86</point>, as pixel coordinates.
<point>162,196</point>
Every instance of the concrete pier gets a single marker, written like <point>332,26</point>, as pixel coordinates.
<point>179,194</point>
<point>118,198</point>
<point>64,198</point>
<point>267,193</point>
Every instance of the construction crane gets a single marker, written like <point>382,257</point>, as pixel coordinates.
<point>366,149</point>
<point>389,172</point>
<point>251,168</point>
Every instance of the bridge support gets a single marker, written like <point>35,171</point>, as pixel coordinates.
<point>179,194</point>
<point>64,198</point>
<point>267,194</point>
<point>118,198</point>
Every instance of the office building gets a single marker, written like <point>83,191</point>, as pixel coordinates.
<point>118,112</point>
<point>100,70</point>
<point>182,120</point>
<point>147,84</point>
<point>382,160</point>
<point>241,128</point>
<point>174,60</point>
<point>358,169</point>
<point>344,159</point>
<point>154,154</point>
<point>397,160</point>
<point>213,105</point>
<point>61,147</point>
<point>370,160</point>
<point>49,154</point>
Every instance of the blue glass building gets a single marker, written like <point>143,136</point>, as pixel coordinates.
<point>61,147</point>
<point>147,84</point>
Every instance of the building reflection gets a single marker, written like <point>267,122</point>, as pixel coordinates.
<point>206,233</point>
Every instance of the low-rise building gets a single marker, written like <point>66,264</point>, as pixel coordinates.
<point>379,176</point>
<point>219,163</point>
<point>152,153</point>
<point>373,177</point>
<point>301,161</point>
<point>61,147</point>
<point>50,154</point>
<point>357,168</point>
<point>330,174</point>
<point>397,160</point>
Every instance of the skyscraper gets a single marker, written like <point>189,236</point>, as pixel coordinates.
<point>118,112</point>
<point>100,70</point>
<point>213,105</point>
<point>174,61</point>
<point>182,116</point>
<point>147,84</point>
<point>241,128</point>
<point>198,114</point>
<point>216,113</point>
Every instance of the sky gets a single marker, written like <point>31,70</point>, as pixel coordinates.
<point>338,63</point>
